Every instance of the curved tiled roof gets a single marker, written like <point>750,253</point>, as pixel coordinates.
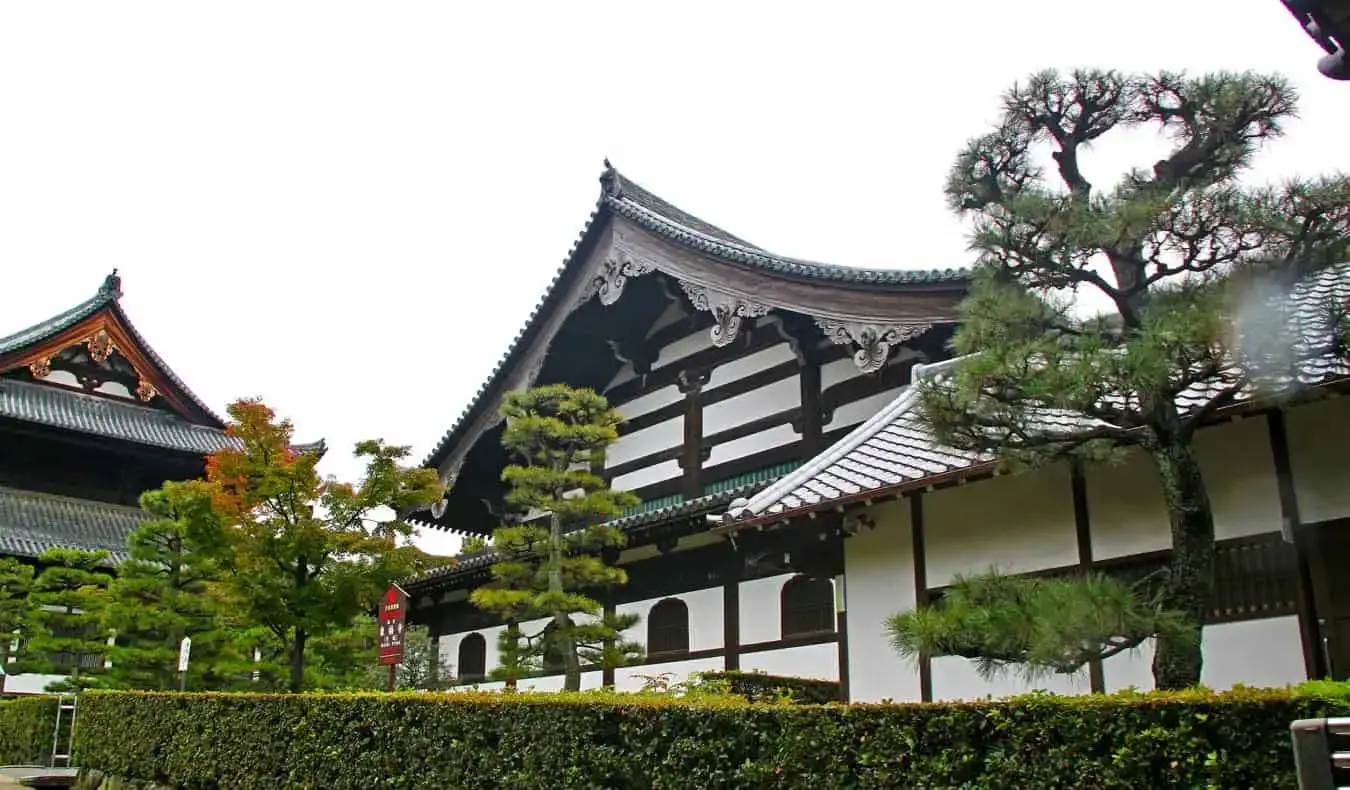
<point>115,419</point>
<point>895,450</point>
<point>31,523</point>
<point>107,297</point>
<point>623,197</point>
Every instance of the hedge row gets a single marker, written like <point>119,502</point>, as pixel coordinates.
<point>599,740</point>
<point>26,728</point>
<point>761,687</point>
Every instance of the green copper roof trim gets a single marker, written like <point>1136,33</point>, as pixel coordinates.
<point>654,504</point>
<point>758,476</point>
<point>108,293</point>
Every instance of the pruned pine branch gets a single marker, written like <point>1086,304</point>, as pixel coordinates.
<point>1040,626</point>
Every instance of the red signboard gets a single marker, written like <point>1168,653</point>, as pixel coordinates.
<point>392,610</point>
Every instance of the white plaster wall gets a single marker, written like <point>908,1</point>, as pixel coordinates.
<point>1263,653</point>
<point>807,661</point>
<point>750,364</point>
<point>856,411</point>
<point>28,683</point>
<point>770,399</point>
<point>879,582</point>
<point>690,344</point>
<point>652,439</point>
<point>749,445</point>
<point>956,678</point>
<point>1319,434</point>
<point>705,617</point>
<point>1017,523</point>
<point>1239,471</point>
<point>649,402</point>
<point>1125,507</point>
<point>840,370</point>
<point>648,475</point>
<point>761,609</point>
<point>630,678</point>
<point>589,680</point>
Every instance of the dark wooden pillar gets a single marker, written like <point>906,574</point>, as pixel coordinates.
<point>606,671</point>
<point>691,458</point>
<point>812,426</point>
<point>921,589</point>
<point>1083,530</point>
<point>1309,624</point>
<point>731,614</point>
<point>841,628</point>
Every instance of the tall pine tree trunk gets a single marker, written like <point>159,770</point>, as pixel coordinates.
<point>513,633</point>
<point>298,661</point>
<point>561,623</point>
<point>1190,579</point>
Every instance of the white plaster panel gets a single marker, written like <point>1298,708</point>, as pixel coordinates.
<point>770,399</point>
<point>691,344</point>
<point>1125,507</point>
<point>1266,653</point>
<point>776,436</point>
<point>840,370</point>
<point>1017,523</point>
<point>878,583</point>
<point>956,678</point>
<point>750,364</point>
<point>856,411</point>
<point>760,610</point>
<point>1319,434</point>
<point>1239,473</point>
<point>649,475</point>
<point>28,683</point>
<point>807,661</point>
<point>630,678</point>
<point>652,439</point>
<point>705,617</point>
<point>649,402</point>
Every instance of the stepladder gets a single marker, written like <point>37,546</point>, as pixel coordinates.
<point>63,734</point>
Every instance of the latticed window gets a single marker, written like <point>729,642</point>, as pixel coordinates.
<point>668,627</point>
<point>807,606</point>
<point>472,666</point>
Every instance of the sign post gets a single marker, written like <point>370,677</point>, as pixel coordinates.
<point>393,611</point>
<point>184,655</point>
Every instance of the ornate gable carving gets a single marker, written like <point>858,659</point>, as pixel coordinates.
<point>874,341</point>
<point>728,310</point>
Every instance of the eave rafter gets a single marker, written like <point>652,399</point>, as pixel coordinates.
<point>101,334</point>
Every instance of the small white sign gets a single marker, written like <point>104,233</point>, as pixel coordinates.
<point>184,652</point>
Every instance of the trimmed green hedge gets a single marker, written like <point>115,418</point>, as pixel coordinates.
<point>597,740</point>
<point>761,687</point>
<point>26,725</point>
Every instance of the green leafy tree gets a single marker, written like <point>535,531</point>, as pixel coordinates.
<point>422,668</point>
<point>1175,252</point>
<point>1036,625</point>
<point>165,592</point>
<point>16,608</point>
<point>69,631</point>
<point>306,555</point>
<point>550,562</point>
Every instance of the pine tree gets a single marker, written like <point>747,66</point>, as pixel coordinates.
<point>549,564</point>
<point>306,555</point>
<point>16,582</point>
<point>164,593</point>
<point>1174,252</point>
<point>69,631</point>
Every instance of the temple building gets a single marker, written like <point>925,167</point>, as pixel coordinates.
<point>732,366</point>
<point>90,417</point>
<point>793,501</point>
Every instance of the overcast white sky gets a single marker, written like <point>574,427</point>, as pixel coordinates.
<point>351,208</point>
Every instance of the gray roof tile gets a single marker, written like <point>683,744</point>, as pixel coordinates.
<point>50,405</point>
<point>895,447</point>
<point>31,523</point>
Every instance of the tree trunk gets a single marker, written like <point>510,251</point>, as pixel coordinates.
<point>561,623</point>
<point>1190,579</point>
<point>298,661</point>
<point>513,633</point>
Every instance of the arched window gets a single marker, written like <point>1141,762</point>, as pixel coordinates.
<point>668,628</point>
<point>807,606</point>
<point>472,665</point>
